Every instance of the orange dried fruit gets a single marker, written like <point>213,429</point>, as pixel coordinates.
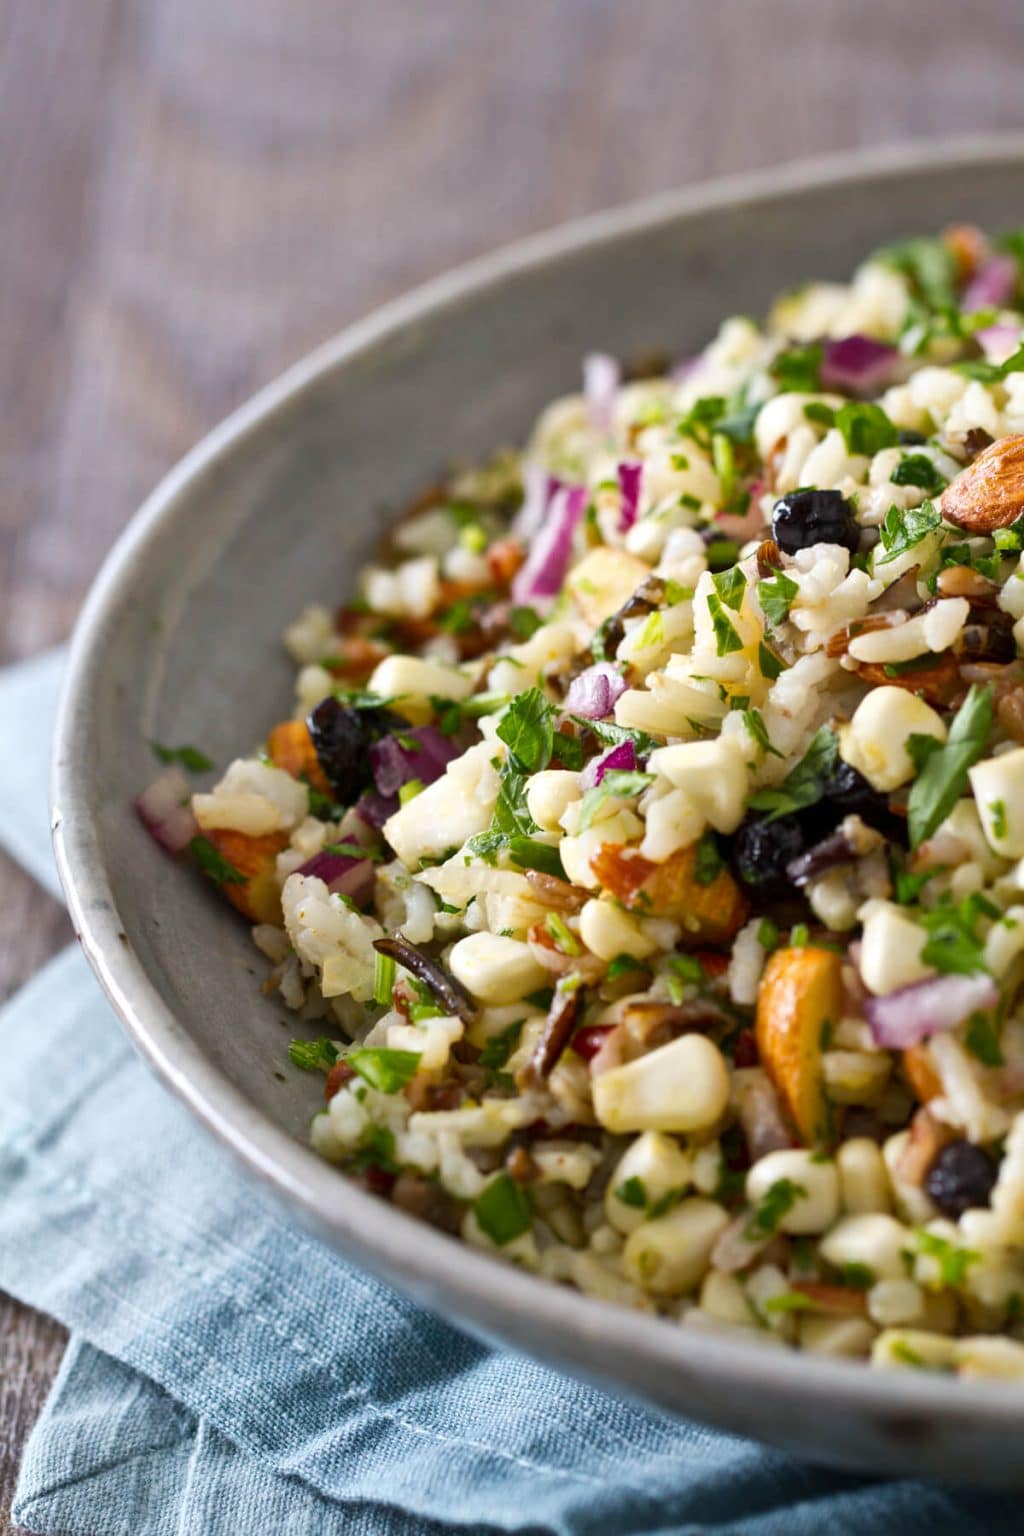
<point>799,1002</point>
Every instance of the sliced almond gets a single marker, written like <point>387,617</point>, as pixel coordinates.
<point>989,493</point>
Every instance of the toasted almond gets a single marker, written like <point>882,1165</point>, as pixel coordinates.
<point>989,493</point>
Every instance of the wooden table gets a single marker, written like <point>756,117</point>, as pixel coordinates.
<point>194,193</point>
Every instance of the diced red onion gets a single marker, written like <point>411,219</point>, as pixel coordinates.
<point>998,342</point>
<point>594,692</point>
<point>857,365</point>
<point>394,760</point>
<point>546,564</point>
<point>375,808</point>
<point>601,378</point>
<point>538,488</point>
<point>630,475</point>
<point>166,812</point>
<point>340,873</point>
<point>910,1014</point>
<point>621,757</point>
<point>992,285</point>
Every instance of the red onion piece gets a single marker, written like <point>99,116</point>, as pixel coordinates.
<point>998,342</point>
<point>374,808</point>
<point>594,692</point>
<point>601,378</point>
<point>857,365</point>
<point>992,285</point>
<point>621,757</point>
<point>340,873</point>
<point>910,1014</point>
<point>538,488</point>
<point>421,753</point>
<point>630,475</point>
<point>165,811</point>
<point>686,366</point>
<point>546,564</point>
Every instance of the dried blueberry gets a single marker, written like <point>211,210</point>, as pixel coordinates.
<point>811,517</point>
<point>342,737</point>
<point>761,851</point>
<point>960,1179</point>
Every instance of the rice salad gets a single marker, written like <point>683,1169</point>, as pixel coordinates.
<point>644,858</point>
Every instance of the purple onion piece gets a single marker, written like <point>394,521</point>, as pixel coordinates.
<point>546,564</point>
<point>418,753</point>
<point>998,342</point>
<point>165,810</point>
<point>992,285</point>
<point>630,476</point>
<point>375,808</point>
<point>857,365</point>
<point>593,693</point>
<point>538,488</point>
<point>910,1014</point>
<point>601,378</point>
<point>341,874</point>
<point>621,757</point>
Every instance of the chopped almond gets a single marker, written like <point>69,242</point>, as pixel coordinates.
<point>989,493</point>
<point>258,896</point>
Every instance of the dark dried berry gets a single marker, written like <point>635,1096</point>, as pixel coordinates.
<point>761,850</point>
<point>848,793</point>
<point>960,1179</point>
<point>342,737</point>
<point>804,518</point>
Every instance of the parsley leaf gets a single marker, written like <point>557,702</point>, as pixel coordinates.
<point>928,265</point>
<point>776,598</point>
<point>953,946</point>
<point>982,1040</point>
<point>530,853</point>
<point>918,469</point>
<point>612,735</point>
<point>771,665</point>
<point>313,1055</point>
<point>499,1047</point>
<point>865,427</point>
<point>902,530</point>
<point>779,1199</point>
<point>798,369</point>
<point>727,638</point>
<point>189,757</point>
<point>730,586</point>
<point>387,1071</point>
<point>708,862</point>
<point>527,731</point>
<point>633,1192</point>
<point>504,1210</point>
<point>213,863</point>
<point>524,622</point>
<point>804,785</point>
<point>941,782</point>
<point>953,1261</point>
<point>620,782</point>
<point>754,723</point>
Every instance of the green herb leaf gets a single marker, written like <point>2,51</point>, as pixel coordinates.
<point>804,785</point>
<point>313,1055</point>
<point>982,1040</point>
<point>189,757</point>
<point>918,469</point>
<point>612,735</point>
<point>730,586</point>
<point>776,598</point>
<point>387,1071</point>
<point>754,723</point>
<point>787,1301</point>
<point>354,851</point>
<point>503,1211</point>
<point>727,639</point>
<point>569,751</point>
<point>708,862</point>
<point>953,1260</point>
<point>384,971</point>
<point>940,784</point>
<point>500,1047</point>
<point>620,783</point>
<point>865,427</point>
<point>901,530</point>
<point>779,1199</point>
<point>530,853</point>
<point>771,665</point>
<point>212,863</point>
<point>928,264</point>
<point>526,729</point>
<point>798,369</point>
<point>633,1192</point>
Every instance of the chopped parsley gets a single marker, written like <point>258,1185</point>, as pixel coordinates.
<point>708,862</point>
<point>787,1301</point>
<point>526,729</point>
<point>313,1055</point>
<point>953,945</point>
<point>531,853</point>
<point>755,725</point>
<point>499,1047</point>
<point>767,933</point>
<point>941,782</point>
<point>727,638</point>
<point>730,586</point>
<point>982,1040</point>
<point>504,1210</point>
<point>387,1071</point>
<point>189,758</point>
<point>633,1192</point>
<point>776,598</point>
<point>901,530</point>
<point>779,1199</point>
<point>622,783</point>
<point>213,863</point>
<point>865,427</point>
<point>953,1261</point>
<point>798,369</point>
<point>918,469</point>
<point>805,784</point>
<point>384,970</point>
<point>771,665</point>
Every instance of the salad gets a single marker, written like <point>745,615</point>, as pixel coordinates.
<point>644,856</point>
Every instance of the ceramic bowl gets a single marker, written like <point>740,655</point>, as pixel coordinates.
<point>180,641</point>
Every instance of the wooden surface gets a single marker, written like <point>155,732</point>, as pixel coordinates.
<point>194,192</point>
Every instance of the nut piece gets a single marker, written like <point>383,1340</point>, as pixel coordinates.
<point>990,492</point>
<point>798,1005</point>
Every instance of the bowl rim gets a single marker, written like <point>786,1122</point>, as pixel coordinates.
<point>478,1286</point>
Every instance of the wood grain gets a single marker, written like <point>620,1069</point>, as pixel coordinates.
<point>193,194</point>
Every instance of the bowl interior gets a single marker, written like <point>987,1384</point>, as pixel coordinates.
<point>182,641</point>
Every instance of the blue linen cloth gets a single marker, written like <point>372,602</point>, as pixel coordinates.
<point>226,1374</point>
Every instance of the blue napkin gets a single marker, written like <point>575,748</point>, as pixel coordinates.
<point>227,1374</point>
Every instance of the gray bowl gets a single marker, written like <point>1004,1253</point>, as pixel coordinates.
<point>179,641</point>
